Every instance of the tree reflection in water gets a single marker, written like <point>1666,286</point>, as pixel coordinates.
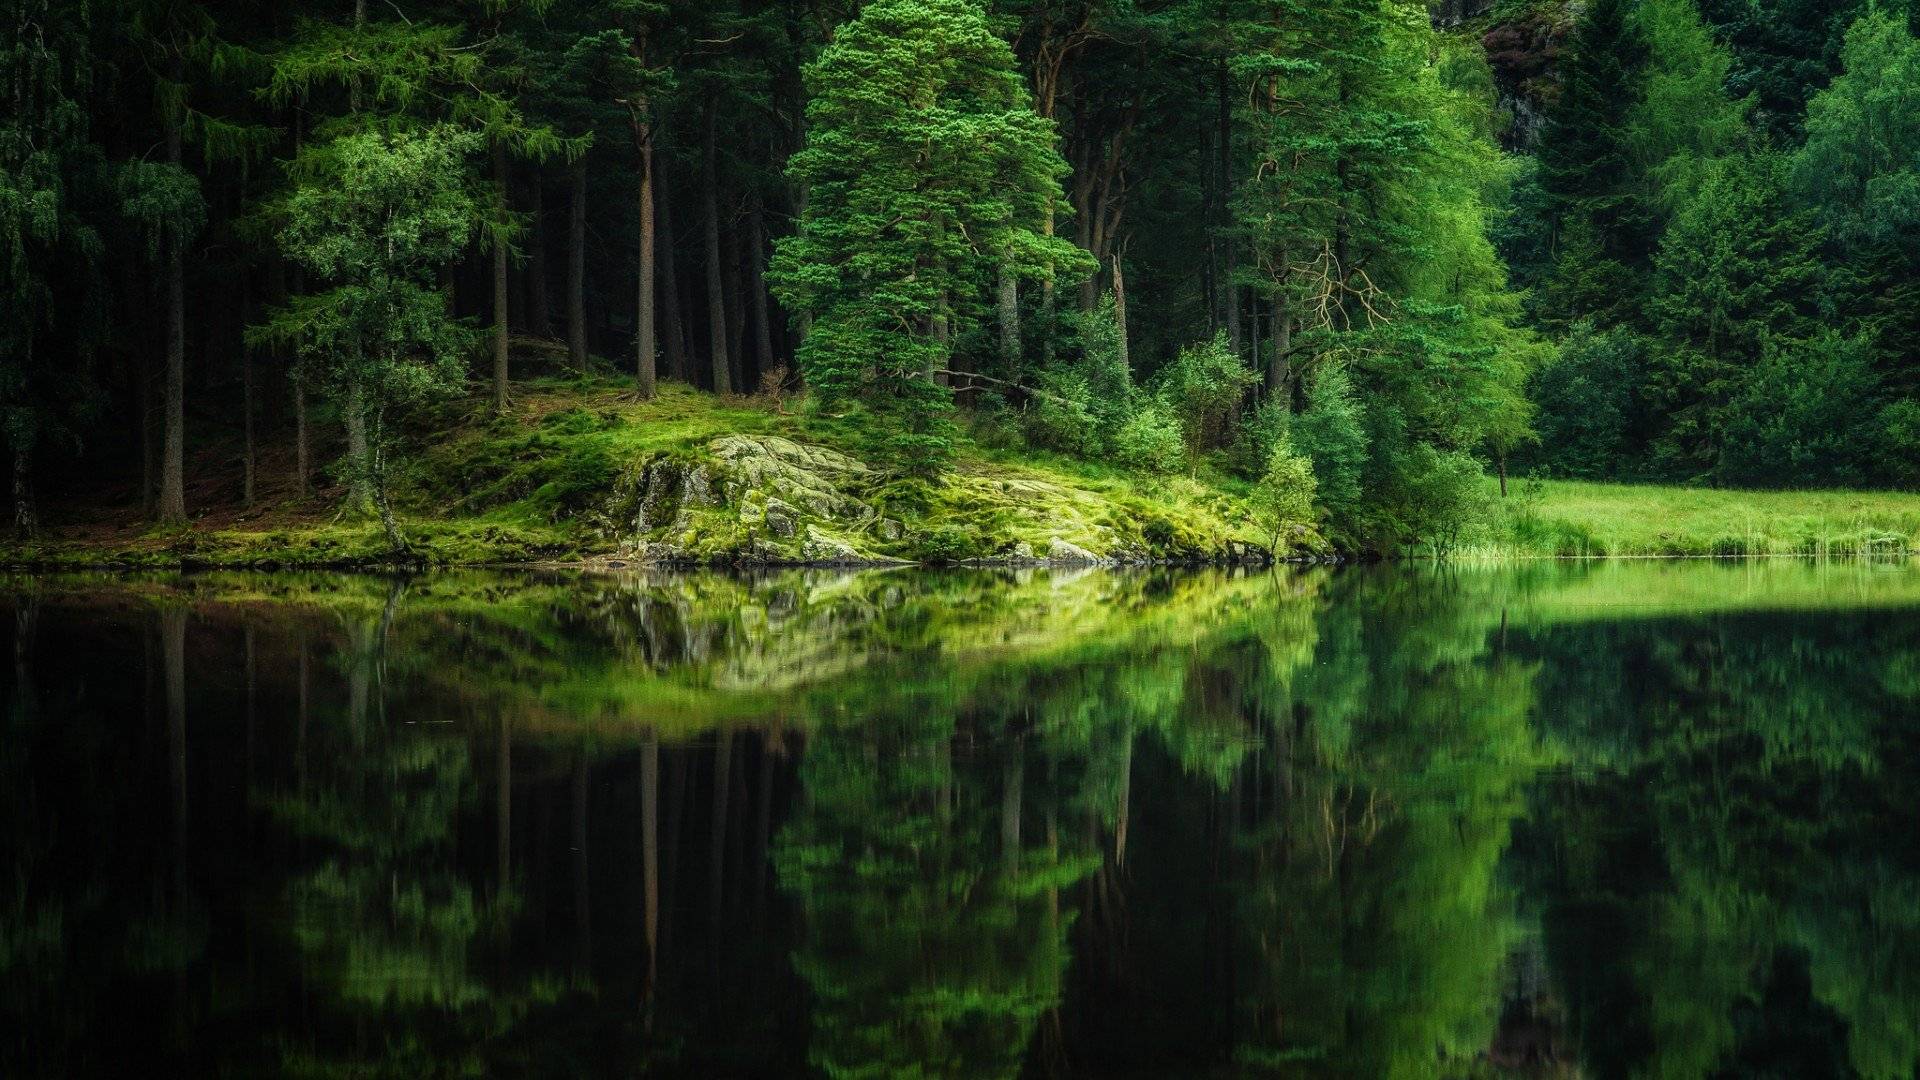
<point>1609,820</point>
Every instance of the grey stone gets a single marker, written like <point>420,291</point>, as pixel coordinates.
<point>1060,551</point>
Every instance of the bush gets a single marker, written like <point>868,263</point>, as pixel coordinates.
<point>1806,415</point>
<point>1586,397</point>
<point>1205,386</point>
<point>1332,434</point>
<point>1151,439</point>
<point>1284,495</point>
<point>1062,417</point>
<point>1899,450</point>
<point>1261,432</point>
<point>1445,497</point>
<point>1109,382</point>
<point>995,426</point>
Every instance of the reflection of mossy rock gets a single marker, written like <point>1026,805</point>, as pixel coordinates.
<point>768,500</point>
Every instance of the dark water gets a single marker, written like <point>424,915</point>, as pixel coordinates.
<point>1617,820</point>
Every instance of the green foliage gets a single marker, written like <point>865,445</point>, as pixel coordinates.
<point>52,178</point>
<point>1152,439</point>
<point>163,201</point>
<point>1737,269</point>
<point>1204,387</point>
<point>1332,434</point>
<point>1283,497</point>
<point>1600,220</point>
<point>1683,121</point>
<point>1261,431</point>
<point>1807,415</point>
<point>1062,417</point>
<point>926,170</point>
<point>1589,398</point>
<point>375,220</point>
<point>1784,52</point>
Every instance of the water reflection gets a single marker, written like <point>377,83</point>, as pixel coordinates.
<point>1613,820</point>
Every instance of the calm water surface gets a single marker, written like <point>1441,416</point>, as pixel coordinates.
<point>1626,819</point>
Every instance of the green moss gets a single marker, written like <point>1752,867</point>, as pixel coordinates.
<point>562,477</point>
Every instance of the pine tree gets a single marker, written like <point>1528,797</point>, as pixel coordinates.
<point>926,170</point>
<point>376,219</point>
<point>1599,221</point>
<point>52,181</point>
<point>1737,270</point>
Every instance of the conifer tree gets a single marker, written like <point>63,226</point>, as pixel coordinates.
<point>926,170</point>
<point>1599,223</point>
<point>51,177</point>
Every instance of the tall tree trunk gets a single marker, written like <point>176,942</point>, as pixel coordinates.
<point>1083,237</point>
<point>26,516</point>
<point>757,287</point>
<point>743,379</point>
<point>1048,301</point>
<point>173,458</point>
<point>674,328</point>
<point>721,371</point>
<point>1009,313</point>
<point>1280,363</point>
<point>644,347</point>
<point>246,425</point>
<point>360,470</point>
<point>1120,312</point>
<point>500,293</point>
<point>539,314</point>
<point>381,504</point>
<point>1229,287</point>
<point>577,267</point>
<point>149,461</point>
<point>302,465</point>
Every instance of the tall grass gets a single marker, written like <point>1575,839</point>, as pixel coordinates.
<point>1571,519</point>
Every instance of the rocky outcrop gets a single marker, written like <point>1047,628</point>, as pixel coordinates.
<point>1523,53</point>
<point>767,500</point>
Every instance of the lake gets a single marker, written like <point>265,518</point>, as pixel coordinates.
<point>1548,819</point>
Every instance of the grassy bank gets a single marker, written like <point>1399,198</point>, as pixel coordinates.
<point>573,472</point>
<point>1574,519</point>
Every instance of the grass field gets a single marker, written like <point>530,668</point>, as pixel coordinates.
<point>1568,518</point>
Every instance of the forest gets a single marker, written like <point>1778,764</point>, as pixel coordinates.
<point>1356,262</point>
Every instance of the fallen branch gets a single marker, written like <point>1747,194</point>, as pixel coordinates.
<point>951,374</point>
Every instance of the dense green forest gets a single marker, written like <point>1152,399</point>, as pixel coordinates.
<point>1357,253</point>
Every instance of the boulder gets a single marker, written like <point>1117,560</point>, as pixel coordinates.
<point>824,547</point>
<point>1067,554</point>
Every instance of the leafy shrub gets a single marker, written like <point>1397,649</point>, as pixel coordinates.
<point>1109,380</point>
<point>1205,386</point>
<point>1899,449</point>
<point>1261,431</point>
<point>1062,416</point>
<point>995,426</point>
<point>1284,495</point>
<point>1444,497</point>
<point>1151,439</point>
<point>947,544</point>
<point>1331,433</point>
<point>1586,397</point>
